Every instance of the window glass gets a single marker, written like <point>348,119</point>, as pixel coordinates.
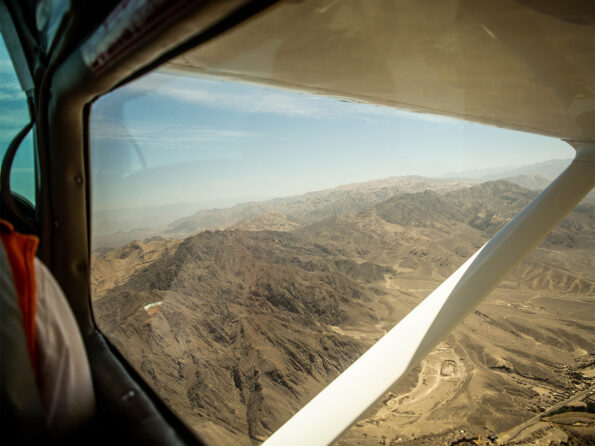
<point>249,243</point>
<point>14,115</point>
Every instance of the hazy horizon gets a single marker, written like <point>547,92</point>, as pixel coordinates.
<point>208,204</point>
<point>168,139</point>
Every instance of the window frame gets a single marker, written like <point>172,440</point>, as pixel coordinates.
<point>66,194</point>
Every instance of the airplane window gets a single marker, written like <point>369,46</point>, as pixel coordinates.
<point>249,243</point>
<point>14,115</point>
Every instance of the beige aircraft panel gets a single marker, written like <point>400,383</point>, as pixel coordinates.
<point>525,64</point>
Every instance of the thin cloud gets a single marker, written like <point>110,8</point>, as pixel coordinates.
<point>257,101</point>
<point>250,98</point>
<point>10,90</point>
<point>11,95</point>
<point>164,137</point>
<point>234,96</point>
<point>6,65</point>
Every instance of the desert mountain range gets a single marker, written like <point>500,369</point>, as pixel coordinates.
<point>116,227</point>
<point>237,317</point>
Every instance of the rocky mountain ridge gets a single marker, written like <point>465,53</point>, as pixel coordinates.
<point>253,322</point>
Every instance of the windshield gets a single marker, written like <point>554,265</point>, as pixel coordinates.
<point>249,243</point>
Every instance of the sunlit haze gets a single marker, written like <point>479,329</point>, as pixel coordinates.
<point>182,138</point>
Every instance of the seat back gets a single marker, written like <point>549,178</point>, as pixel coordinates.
<point>21,414</point>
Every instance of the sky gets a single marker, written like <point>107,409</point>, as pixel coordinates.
<point>13,117</point>
<point>170,137</point>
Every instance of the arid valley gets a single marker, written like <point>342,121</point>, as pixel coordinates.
<point>237,317</point>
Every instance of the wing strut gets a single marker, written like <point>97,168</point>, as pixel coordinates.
<point>340,404</point>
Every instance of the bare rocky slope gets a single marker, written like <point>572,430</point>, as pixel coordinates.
<point>313,206</point>
<point>236,329</point>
